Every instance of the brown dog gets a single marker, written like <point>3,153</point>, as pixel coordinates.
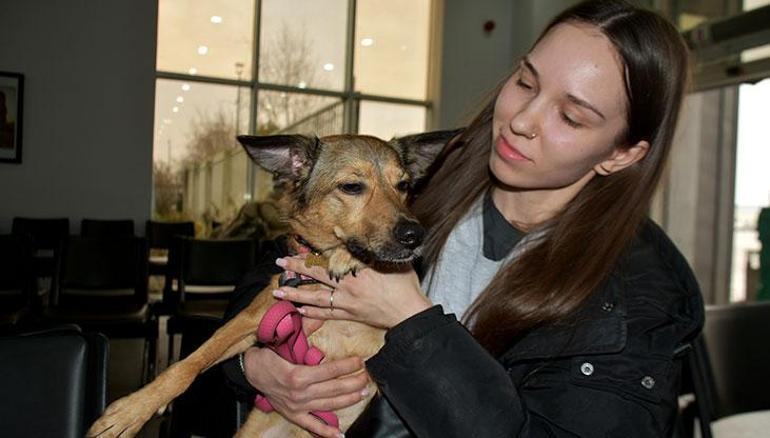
<point>346,197</point>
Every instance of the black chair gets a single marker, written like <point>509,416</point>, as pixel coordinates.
<point>160,238</point>
<point>54,382</point>
<point>730,365</point>
<point>208,272</point>
<point>107,228</point>
<point>697,392</point>
<point>17,281</point>
<point>102,286</point>
<point>48,235</point>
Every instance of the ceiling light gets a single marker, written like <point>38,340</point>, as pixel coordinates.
<point>216,19</point>
<point>302,84</point>
<point>179,99</point>
<point>366,42</point>
<point>193,71</point>
<point>328,66</point>
<point>202,50</point>
<point>185,87</point>
<point>175,109</point>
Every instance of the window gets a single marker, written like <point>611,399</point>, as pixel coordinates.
<point>321,68</point>
<point>752,184</point>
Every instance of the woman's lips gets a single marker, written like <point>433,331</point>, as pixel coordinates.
<point>507,151</point>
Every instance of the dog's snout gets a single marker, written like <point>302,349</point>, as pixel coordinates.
<point>409,233</point>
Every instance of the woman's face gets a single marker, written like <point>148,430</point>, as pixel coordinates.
<point>561,113</point>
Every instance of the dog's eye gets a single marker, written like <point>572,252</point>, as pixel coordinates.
<point>403,186</point>
<point>352,188</point>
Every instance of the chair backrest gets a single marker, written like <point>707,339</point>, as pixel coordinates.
<point>160,234</point>
<point>738,341</point>
<point>47,237</point>
<point>207,262</point>
<point>16,275</point>
<point>106,227</point>
<point>54,382</point>
<point>103,266</point>
<point>47,233</point>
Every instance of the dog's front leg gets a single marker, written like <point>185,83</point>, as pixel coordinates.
<point>126,416</point>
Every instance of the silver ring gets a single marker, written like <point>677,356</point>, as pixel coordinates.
<point>331,299</point>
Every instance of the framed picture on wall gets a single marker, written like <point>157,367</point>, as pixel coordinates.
<point>11,98</point>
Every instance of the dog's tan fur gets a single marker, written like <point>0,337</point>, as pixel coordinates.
<point>327,217</point>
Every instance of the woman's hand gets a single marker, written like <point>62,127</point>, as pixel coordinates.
<point>371,297</point>
<point>295,390</point>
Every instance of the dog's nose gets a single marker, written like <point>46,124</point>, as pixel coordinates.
<point>409,233</point>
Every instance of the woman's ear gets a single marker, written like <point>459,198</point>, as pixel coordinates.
<point>622,158</point>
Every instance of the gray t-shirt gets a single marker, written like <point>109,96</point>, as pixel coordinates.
<point>477,247</point>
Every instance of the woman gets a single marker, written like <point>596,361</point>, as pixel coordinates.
<point>575,307</point>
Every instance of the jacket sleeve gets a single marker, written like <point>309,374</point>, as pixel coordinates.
<point>248,288</point>
<point>441,382</point>
<point>468,391</point>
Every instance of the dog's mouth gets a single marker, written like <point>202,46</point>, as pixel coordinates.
<point>388,253</point>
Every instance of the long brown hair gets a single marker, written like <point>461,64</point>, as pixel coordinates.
<point>581,245</point>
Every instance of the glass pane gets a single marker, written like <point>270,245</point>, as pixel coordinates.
<point>194,142</point>
<point>388,120</point>
<point>206,37</point>
<point>302,43</point>
<point>280,112</point>
<point>391,47</point>
<point>752,190</point>
<point>760,52</point>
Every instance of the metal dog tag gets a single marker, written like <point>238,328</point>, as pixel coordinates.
<point>316,260</point>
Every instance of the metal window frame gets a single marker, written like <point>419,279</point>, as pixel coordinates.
<point>350,98</point>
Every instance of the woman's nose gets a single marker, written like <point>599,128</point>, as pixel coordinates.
<point>526,121</point>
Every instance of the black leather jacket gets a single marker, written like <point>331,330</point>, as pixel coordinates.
<point>611,370</point>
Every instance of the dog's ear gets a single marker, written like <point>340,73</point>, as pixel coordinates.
<point>418,151</point>
<point>286,156</point>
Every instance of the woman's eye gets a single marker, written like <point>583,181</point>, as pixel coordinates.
<point>351,188</point>
<point>570,121</point>
<point>523,84</point>
<point>402,186</point>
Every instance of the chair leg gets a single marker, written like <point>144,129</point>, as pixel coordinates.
<point>152,358</point>
<point>170,356</point>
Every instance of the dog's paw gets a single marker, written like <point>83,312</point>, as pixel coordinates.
<point>342,263</point>
<point>123,418</point>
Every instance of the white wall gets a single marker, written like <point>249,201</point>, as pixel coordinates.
<point>474,62</point>
<point>89,69</point>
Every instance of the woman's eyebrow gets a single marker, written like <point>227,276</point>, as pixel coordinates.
<point>578,101</point>
<point>525,61</point>
<point>571,97</point>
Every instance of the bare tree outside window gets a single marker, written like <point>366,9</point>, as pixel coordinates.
<point>289,58</point>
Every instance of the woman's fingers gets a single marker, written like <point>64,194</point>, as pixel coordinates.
<point>335,403</point>
<point>330,370</point>
<point>310,324</point>
<point>297,264</point>
<point>325,313</point>
<point>345,386</point>
<point>313,425</point>
<point>319,297</point>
